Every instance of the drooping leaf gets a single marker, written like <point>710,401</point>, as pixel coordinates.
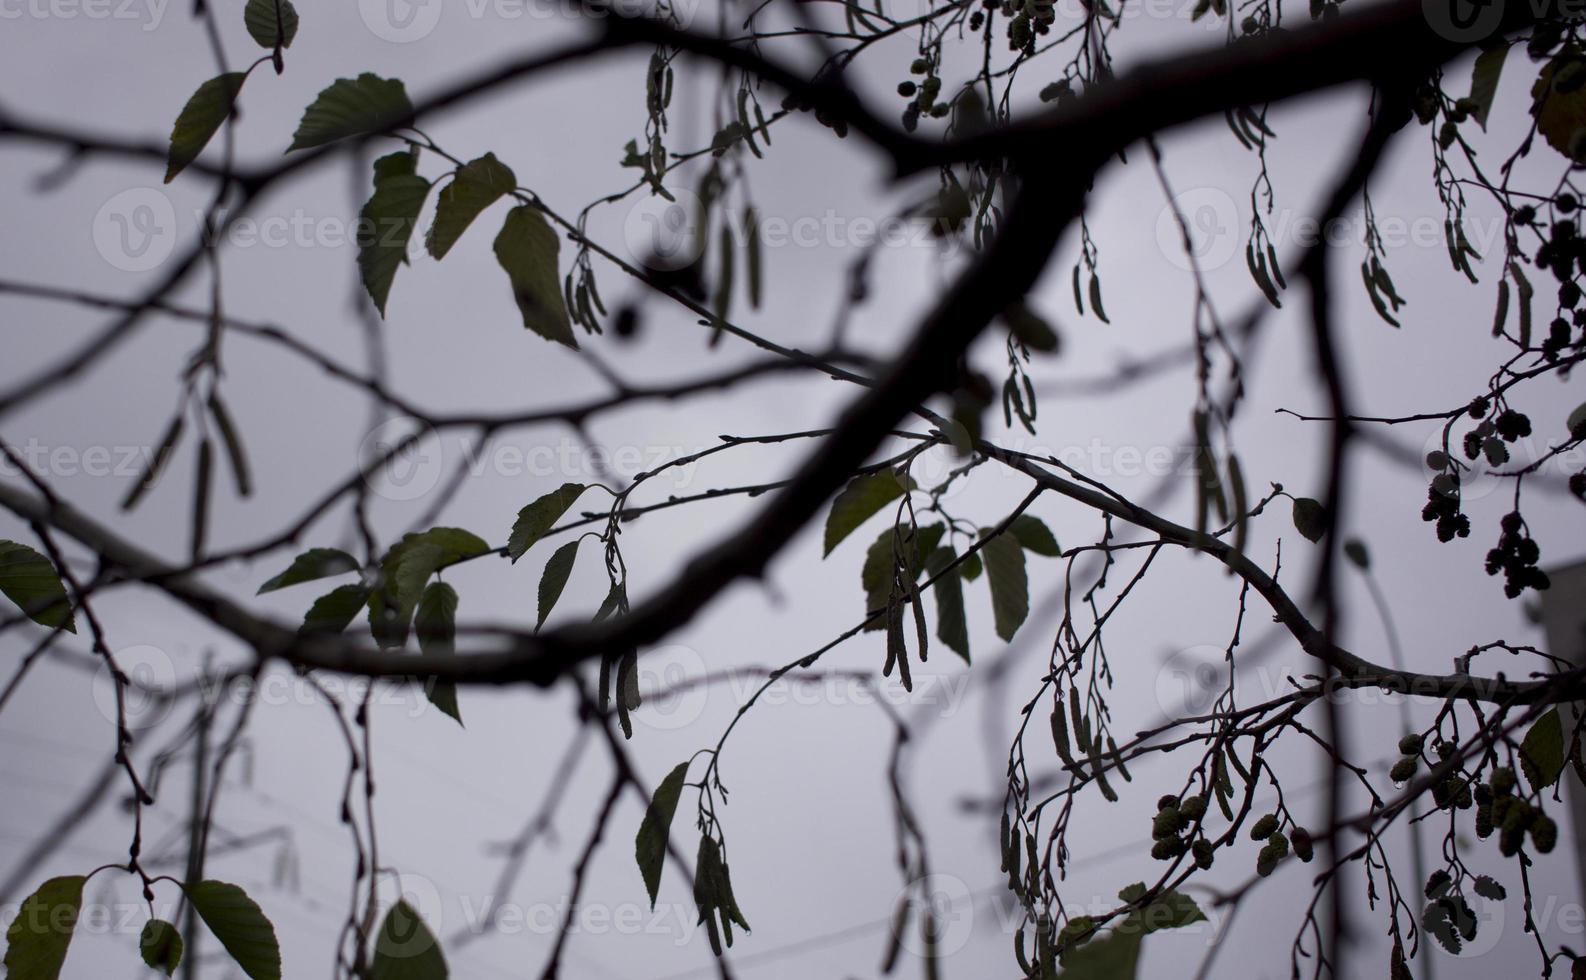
<point>316,563</point>
<point>554,578</point>
<point>476,186</point>
<point>161,946</point>
<point>334,611</point>
<point>952,628</point>
<point>240,925</point>
<point>352,107</point>
<point>860,500</point>
<point>200,119</point>
<point>38,937</point>
<point>271,21</point>
<point>386,223</point>
<point>1034,536</point>
<point>435,622</point>
<point>405,949</point>
<point>1355,551</point>
<point>1005,573</point>
<point>28,579</point>
<point>897,546</point>
<point>527,249</point>
<point>1116,955</point>
<point>1484,81</point>
<point>1542,751</point>
<point>406,569</point>
<point>650,845</point>
<point>1310,518</point>
<point>538,517</point>
<point>1558,101</point>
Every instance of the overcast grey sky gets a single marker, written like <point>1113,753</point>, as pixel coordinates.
<point>808,824</point>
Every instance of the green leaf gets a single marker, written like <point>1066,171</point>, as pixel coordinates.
<point>28,579</point>
<point>435,622</point>
<point>538,517</point>
<point>1033,535</point>
<point>650,845</point>
<point>161,946</point>
<point>352,107</point>
<point>527,249</point>
<point>405,949</point>
<point>1558,101</point>
<point>1355,551</point>
<point>554,578</point>
<point>38,937</point>
<point>1010,596</point>
<point>476,186</point>
<point>1310,518</point>
<point>881,562</point>
<point>316,563</point>
<point>1484,81</point>
<point>860,500</point>
<point>1116,955</point>
<point>1171,910</point>
<point>199,120</point>
<point>971,568</point>
<point>240,925</point>
<point>1542,751</point>
<point>269,21</point>
<point>386,223</point>
<point>952,628</point>
<point>334,611</point>
<point>406,569</point>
